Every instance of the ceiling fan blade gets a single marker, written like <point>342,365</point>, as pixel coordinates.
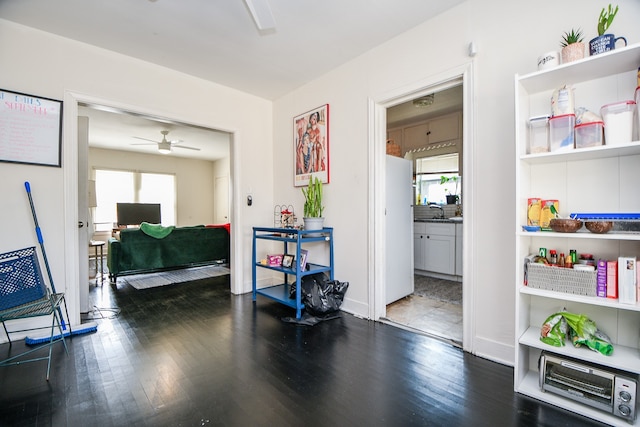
<point>183,146</point>
<point>145,143</point>
<point>147,139</point>
<point>261,13</point>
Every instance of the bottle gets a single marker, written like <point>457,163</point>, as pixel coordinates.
<point>553,257</point>
<point>574,256</point>
<point>568,262</point>
<point>561,262</point>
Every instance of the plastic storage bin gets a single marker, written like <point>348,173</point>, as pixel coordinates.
<point>618,122</point>
<point>538,135</point>
<point>561,136</point>
<point>589,134</point>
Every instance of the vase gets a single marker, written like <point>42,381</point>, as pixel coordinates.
<point>572,52</point>
<point>313,223</point>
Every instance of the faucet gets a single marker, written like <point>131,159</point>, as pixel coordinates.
<point>434,206</point>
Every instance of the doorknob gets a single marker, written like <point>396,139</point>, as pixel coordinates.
<point>80,224</point>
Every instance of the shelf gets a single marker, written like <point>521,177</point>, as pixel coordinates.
<point>590,68</point>
<point>580,235</point>
<point>599,301</point>
<point>279,293</point>
<point>529,386</point>
<point>623,358</point>
<point>313,269</point>
<point>590,153</point>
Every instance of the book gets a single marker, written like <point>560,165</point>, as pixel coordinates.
<point>627,280</point>
<point>612,279</point>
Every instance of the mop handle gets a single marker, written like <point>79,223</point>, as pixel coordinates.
<point>27,186</point>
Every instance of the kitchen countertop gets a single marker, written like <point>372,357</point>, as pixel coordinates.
<point>446,220</point>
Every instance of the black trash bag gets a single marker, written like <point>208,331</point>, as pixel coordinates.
<point>321,296</point>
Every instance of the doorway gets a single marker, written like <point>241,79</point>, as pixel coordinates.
<point>434,306</point>
<point>460,78</point>
<point>126,126</point>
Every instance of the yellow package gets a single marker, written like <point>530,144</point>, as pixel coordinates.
<point>534,206</point>
<point>546,215</point>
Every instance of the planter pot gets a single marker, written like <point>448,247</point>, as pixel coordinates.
<point>313,224</point>
<point>604,43</point>
<point>452,199</point>
<point>572,52</point>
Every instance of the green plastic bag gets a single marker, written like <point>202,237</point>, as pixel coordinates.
<point>581,330</point>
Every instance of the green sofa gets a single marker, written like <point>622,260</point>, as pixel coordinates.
<point>136,252</point>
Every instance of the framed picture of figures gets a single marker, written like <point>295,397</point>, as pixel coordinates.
<point>311,146</point>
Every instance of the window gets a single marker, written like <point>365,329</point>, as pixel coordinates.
<point>429,173</point>
<point>133,187</point>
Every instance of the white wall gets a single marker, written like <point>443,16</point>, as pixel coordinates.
<point>46,65</point>
<point>509,37</point>
<point>194,179</point>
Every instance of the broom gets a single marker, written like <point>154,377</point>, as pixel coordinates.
<point>77,330</point>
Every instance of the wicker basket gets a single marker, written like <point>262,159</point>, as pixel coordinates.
<point>393,149</point>
<point>566,280</point>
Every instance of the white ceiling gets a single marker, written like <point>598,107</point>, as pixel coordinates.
<point>217,40</point>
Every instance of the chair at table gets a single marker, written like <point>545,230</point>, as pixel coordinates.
<point>24,294</point>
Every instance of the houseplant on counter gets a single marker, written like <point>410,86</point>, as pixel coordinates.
<point>605,42</point>
<point>313,209</point>
<point>452,198</point>
<point>572,46</point>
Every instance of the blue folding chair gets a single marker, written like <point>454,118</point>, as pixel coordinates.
<point>24,294</point>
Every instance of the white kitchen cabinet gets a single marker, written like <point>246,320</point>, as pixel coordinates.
<point>434,247</point>
<point>597,179</point>
<point>458,249</point>
<point>395,135</point>
<point>440,129</point>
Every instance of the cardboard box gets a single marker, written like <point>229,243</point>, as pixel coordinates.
<point>612,279</point>
<point>601,278</point>
<point>534,206</point>
<point>546,215</point>
<point>627,280</point>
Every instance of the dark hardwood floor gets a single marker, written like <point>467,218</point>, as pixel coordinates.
<point>195,355</point>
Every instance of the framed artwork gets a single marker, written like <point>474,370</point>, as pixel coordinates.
<point>31,129</point>
<point>287,261</point>
<point>303,259</point>
<point>311,146</point>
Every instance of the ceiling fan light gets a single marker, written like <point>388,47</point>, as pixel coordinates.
<point>164,147</point>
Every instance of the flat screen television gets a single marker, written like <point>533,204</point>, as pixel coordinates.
<point>137,213</point>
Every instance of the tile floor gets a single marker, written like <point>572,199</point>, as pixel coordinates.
<point>433,317</point>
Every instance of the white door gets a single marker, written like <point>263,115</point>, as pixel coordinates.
<point>221,200</point>
<point>84,233</point>
<point>399,229</point>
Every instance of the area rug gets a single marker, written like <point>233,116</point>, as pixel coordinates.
<point>438,289</point>
<point>163,278</point>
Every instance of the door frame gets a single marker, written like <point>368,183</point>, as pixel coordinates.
<point>377,124</point>
<point>70,193</point>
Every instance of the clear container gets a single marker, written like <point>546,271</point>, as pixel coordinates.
<point>589,134</point>
<point>618,122</point>
<point>561,136</point>
<point>538,135</point>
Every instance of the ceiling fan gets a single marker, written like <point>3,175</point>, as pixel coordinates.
<point>165,146</point>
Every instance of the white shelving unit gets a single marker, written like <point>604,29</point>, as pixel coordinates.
<point>597,179</point>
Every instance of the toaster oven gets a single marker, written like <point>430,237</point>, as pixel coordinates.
<point>600,387</point>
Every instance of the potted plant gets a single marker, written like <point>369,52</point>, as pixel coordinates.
<point>452,198</point>
<point>572,46</point>
<point>313,208</point>
<point>605,42</point>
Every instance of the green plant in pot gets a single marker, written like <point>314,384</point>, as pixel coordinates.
<point>572,46</point>
<point>452,198</point>
<point>313,207</point>
<point>605,41</point>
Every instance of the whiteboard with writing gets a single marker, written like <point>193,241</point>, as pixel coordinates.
<point>30,129</point>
